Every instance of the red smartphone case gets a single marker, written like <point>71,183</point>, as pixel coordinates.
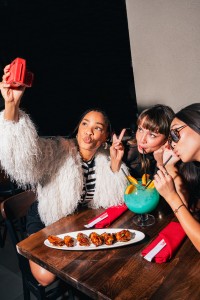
<point>18,74</point>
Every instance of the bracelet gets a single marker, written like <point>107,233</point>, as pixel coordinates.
<point>176,210</point>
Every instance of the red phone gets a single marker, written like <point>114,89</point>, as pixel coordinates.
<point>18,74</point>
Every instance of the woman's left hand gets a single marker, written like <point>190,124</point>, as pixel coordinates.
<point>117,151</point>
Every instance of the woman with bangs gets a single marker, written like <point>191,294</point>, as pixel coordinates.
<point>152,133</point>
<point>150,148</point>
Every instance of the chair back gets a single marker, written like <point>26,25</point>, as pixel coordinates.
<point>7,187</point>
<point>14,210</point>
<point>17,206</point>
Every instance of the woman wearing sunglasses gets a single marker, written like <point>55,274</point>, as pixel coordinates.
<point>184,139</point>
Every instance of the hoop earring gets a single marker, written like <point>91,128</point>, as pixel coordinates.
<point>105,145</point>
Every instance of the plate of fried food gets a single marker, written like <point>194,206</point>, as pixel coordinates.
<point>94,239</point>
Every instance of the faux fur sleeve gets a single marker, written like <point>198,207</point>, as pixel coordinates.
<point>109,186</point>
<point>24,156</point>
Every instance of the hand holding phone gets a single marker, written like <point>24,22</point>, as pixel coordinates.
<point>19,76</point>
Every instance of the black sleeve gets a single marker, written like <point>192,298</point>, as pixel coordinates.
<point>131,159</point>
<point>133,162</point>
<point>33,221</point>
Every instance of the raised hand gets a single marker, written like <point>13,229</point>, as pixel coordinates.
<point>117,151</point>
<point>12,96</point>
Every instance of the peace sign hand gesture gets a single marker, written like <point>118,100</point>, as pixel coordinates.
<point>117,151</point>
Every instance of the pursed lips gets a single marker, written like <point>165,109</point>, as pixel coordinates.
<point>141,148</point>
<point>87,140</point>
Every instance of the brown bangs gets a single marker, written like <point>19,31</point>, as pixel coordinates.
<point>148,123</point>
<point>156,119</point>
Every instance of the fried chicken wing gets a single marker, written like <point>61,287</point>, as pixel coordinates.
<point>123,235</point>
<point>109,238</point>
<point>83,239</point>
<point>55,240</point>
<point>96,239</point>
<point>69,241</point>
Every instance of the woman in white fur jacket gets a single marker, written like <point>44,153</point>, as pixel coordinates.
<point>58,168</point>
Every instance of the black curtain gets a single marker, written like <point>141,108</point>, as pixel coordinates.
<point>79,52</point>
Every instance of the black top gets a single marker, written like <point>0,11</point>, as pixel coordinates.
<point>133,160</point>
<point>33,221</point>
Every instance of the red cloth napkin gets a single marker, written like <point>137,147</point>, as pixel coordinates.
<point>173,234</point>
<point>113,213</point>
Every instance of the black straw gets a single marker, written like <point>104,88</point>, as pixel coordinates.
<point>156,169</point>
<point>126,176</point>
<point>167,160</point>
<point>145,165</point>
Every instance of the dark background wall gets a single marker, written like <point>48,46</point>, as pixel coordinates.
<point>79,51</point>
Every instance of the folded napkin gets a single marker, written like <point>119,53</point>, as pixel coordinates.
<point>113,213</point>
<point>173,234</point>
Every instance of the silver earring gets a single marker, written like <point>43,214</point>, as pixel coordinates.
<point>105,145</point>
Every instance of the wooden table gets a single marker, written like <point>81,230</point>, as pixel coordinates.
<point>119,273</point>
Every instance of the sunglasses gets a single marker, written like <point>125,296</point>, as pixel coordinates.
<point>174,135</point>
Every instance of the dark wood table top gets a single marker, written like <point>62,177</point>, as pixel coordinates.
<point>119,273</point>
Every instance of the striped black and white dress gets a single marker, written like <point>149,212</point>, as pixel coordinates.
<point>89,181</point>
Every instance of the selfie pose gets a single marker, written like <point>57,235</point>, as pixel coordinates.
<point>185,141</point>
<point>65,173</point>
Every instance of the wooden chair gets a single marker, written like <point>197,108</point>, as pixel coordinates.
<point>14,210</point>
<point>7,189</point>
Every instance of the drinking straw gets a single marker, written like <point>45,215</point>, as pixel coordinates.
<point>126,176</point>
<point>167,160</point>
<point>135,184</point>
<point>145,165</point>
<point>157,170</point>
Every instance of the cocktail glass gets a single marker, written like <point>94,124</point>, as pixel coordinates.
<point>142,201</point>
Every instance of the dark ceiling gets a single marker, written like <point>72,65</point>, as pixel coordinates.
<point>79,52</point>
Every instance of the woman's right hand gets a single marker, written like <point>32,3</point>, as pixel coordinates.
<point>164,184</point>
<point>12,96</point>
<point>163,153</point>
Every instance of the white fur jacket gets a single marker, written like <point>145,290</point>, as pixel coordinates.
<point>53,167</point>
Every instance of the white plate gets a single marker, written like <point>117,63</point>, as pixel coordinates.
<point>138,237</point>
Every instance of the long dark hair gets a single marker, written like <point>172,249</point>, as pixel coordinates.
<point>106,118</point>
<point>190,171</point>
<point>190,115</point>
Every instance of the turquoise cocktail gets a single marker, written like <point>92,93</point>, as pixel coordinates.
<point>141,201</point>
